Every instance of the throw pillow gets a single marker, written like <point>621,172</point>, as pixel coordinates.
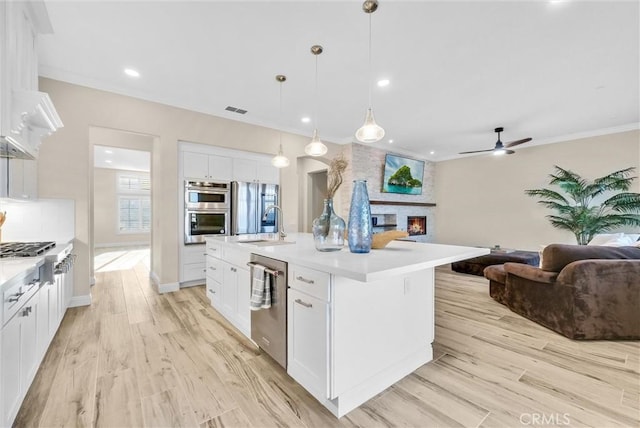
<point>601,238</point>
<point>622,241</point>
<point>542,247</point>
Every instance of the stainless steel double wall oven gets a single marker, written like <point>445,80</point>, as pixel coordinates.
<point>207,208</point>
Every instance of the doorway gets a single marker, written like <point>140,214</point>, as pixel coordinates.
<point>317,193</point>
<point>121,200</point>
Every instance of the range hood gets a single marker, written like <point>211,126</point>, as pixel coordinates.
<point>10,148</point>
<point>33,117</point>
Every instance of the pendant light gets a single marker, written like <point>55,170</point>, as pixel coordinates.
<point>370,132</point>
<point>316,147</point>
<point>280,160</point>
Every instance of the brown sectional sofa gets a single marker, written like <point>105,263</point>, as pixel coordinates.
<point>582,292</point>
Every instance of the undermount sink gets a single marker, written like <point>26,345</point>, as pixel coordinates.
<point>265,242</point>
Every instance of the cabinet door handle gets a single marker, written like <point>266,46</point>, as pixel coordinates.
<point>305,304</point>
<point>211,291</point>
<point>212,268</point>
<point>303,279</point>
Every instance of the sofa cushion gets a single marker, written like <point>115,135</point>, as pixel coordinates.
<point>531,273</point>
<point>557,256</point>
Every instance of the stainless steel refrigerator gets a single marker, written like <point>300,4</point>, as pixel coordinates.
<point>249,202</point>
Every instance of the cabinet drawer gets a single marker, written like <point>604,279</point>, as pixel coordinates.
<point>193,254</point>
<point>214,268</point>
<point>193,272</point>
<point>310,281</point>
<point>214,288</point>
<point>214,249</point>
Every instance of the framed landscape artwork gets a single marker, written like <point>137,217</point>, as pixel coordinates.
<point>402,175</point>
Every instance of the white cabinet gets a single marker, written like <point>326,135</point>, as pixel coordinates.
<point>26,115</point>
<point>204,166</point>
<point>255,171</point>
<point>308,338</point>
<point>43,334</point>
<point>308,329</point>
<point>236,288</point>
<point>20,358</point>
<point>193,263</point>
<point>10,370</point>
<point>243,295</point>
<point>229,284</point>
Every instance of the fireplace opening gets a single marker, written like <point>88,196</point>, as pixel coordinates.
<point>417,225</point>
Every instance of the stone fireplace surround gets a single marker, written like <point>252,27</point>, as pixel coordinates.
<point>367,163</point>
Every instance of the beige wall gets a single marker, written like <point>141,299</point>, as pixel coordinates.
<point>105,215</point>
<point>480,199</point>
<point>66,162</point>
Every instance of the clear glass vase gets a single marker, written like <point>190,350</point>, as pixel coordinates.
<point>328,229</point>
<point>360,229</point>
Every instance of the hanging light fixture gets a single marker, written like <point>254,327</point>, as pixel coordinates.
<point>316,147</point>
<point>370,132</point>
<point>280,160</point>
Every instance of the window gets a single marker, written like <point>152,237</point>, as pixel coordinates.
<point>134,203</point>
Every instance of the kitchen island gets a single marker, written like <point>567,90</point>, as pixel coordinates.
<point>356,323</point>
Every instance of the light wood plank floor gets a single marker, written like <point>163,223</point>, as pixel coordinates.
<point>136,358</point>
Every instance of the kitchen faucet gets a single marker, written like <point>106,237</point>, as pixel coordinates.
<point>282,234</point>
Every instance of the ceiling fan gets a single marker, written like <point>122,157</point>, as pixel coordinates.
<point>501,148</point>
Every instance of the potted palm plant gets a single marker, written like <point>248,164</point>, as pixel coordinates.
<point>576,210</point>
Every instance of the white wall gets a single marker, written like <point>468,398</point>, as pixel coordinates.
<point>66,162</point>
<point>481,200</point>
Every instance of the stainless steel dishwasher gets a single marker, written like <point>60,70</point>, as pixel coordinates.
<point>269,326</point>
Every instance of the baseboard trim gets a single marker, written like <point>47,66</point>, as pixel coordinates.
<point>163,288</point>
<point>168,287</point>
<point>80,301</point>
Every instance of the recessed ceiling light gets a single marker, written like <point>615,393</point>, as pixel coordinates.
<point>131,72</point>
<point>109,152</point>
<point>383,82</point>
<point>390,141</point>
<point>306,119</point>
<point>432,152</point>
<point>107,161</point>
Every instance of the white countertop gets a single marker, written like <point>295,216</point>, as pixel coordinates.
<point>398,257</point>
<point>13,267</point>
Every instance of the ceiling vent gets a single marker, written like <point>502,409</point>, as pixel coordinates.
<point>235,110</point>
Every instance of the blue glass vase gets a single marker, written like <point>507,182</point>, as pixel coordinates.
<point>328,229</point>
<point>360,229</point>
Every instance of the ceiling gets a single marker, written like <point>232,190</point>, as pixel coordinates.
<point>119,158</point>
<point>541,69</point>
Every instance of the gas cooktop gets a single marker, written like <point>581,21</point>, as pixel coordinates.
<point>24,249</point>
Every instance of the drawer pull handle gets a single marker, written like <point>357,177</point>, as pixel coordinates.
<point>16,297</point>
<point>303,279</point>
<point>212,268</point>
<point>211,291</point>
<point>305,304</point>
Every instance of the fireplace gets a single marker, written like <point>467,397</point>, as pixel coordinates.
<point>416,225</point>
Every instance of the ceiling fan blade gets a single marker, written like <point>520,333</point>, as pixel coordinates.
<point>518,142</point>
<point>509,152</point>
<point>476,151</point>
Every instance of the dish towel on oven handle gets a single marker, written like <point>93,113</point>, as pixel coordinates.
<point>260,288</point>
